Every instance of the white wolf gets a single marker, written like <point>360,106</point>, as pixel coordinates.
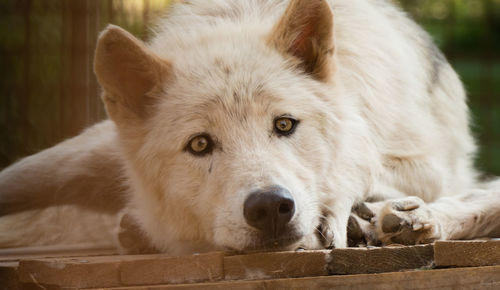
<point>258,124</point>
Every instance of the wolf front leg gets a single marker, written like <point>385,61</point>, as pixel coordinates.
<point>411,221</point>
<point>469,216</point>
<point>84,170</point>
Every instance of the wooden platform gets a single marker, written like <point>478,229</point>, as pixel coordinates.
<point>443,265</point>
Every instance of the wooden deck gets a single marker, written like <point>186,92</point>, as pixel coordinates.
<point>443,265</point>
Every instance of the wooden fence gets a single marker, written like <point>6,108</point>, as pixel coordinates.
<point>48,90</point>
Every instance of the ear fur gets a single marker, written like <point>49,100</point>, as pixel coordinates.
<point>128,73</point>
<point>306,32</point>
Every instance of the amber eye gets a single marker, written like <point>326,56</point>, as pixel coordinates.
<point>200,145</point>
<point>285,125</point>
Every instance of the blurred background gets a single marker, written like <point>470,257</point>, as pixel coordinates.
<point>48,91</point>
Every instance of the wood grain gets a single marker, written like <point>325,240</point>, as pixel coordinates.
<point>276,265</point>
<point>379,260</point>
<point>467,253</point>
<point>353,268</point>
<point>190,269</point>
<point>16,254</point>
<point>111,271</point>
<point>487,278</point>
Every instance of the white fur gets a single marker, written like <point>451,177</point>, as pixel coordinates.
<point>392,123</point>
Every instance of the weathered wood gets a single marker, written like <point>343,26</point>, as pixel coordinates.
<point>16,254</point>
<point>70,272</point>
<point>9,258</point>
<point>379,260</point>
<point>467,253</point>
<point>276,265</point>
<point>111,271</point>
<point>487,278</point>
<point>281,269</point>
<point>190,269</point>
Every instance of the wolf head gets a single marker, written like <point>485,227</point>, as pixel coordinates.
<point>236,135</point>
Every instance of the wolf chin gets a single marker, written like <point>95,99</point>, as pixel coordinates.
<point>255,124</point>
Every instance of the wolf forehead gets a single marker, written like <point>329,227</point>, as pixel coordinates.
<point>237,87</point>
<point>246,71</point>
<point>238,61</point>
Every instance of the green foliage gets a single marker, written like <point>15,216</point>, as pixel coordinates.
<point>468,31</point>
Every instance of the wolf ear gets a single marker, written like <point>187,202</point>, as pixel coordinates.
<point>306,32</point>
<point>128,73</point>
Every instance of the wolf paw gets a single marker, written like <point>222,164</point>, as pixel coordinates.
<point>406,221</point>
<point>360,232</point>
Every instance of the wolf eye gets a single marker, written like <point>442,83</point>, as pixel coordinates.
<point>200,145</point>
<point>285,125</point>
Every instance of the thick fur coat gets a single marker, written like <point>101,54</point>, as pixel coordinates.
<point>377,112</point>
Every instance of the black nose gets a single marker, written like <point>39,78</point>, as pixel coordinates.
<point>269,210</point>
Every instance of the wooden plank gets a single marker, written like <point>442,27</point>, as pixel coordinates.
<point>487,278</point>
<point>70,272</point>
<point>16,254</point>
<point>190,269</point>
<point>379,260</point>
<point>9,258</point>
<point>467,253</point>
<point>111,271</point>
<point>276,265</point>
<point>137,270</point>
<point>8,276</point>
<point>75,107</point>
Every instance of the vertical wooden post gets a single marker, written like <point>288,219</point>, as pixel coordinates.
<point>74,100</point>
<point>65,88</point>
<point>487,82</point>
<point>25,126</point>
<point>111,13</point>
<point>95,110</point>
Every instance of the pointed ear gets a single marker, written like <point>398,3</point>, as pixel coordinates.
<point>306,32</point>
<point>128,73</point>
